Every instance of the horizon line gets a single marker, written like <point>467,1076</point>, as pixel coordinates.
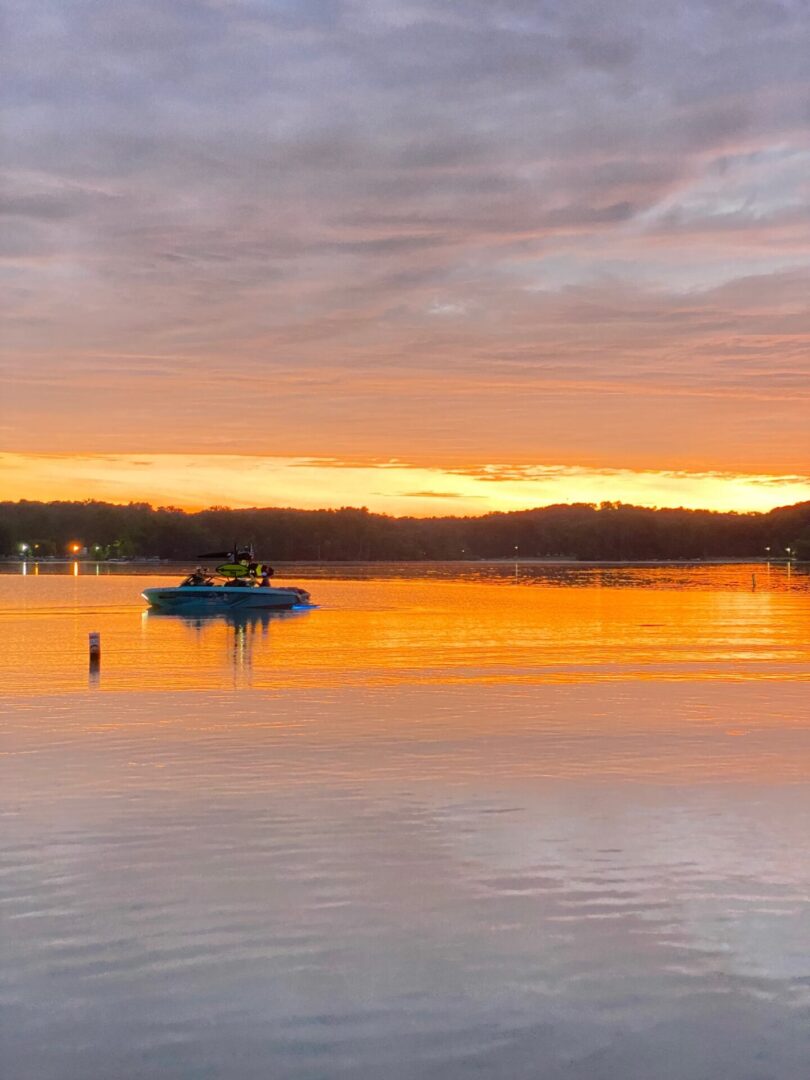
<point>602,506</point>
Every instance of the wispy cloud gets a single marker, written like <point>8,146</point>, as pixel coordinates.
<point>196,481</point>
<point>485,231</point>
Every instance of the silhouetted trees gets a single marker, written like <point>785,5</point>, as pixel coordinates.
<point>611,531</point>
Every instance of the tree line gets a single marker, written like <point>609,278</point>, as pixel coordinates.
<point>609,531</point>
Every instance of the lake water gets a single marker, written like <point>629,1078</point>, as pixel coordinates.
<point>459,821</point>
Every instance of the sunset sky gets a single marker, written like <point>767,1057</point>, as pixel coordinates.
<point>427,257</point>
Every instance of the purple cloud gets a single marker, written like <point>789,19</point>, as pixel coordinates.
<point>268,206</point>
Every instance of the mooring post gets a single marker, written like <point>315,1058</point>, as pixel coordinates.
<point>94,643</point>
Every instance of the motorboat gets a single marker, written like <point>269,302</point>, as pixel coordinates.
<point>245,587</point>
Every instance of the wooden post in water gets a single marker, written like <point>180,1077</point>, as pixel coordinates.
<point>94,643</point>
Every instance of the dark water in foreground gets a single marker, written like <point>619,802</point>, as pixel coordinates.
<point>456,825</point>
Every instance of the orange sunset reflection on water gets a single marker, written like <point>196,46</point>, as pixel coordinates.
<point>457,799</point>
<point>519,628</point>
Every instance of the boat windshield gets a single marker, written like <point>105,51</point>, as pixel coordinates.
<point>199,577</point>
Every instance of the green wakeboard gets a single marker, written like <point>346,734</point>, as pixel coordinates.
<point>232,570</point>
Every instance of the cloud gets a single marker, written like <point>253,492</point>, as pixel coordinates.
<point>436,495</point>
<point>394,228</point>
<point>242,480</point>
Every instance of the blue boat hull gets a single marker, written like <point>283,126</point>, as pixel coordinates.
<point>224,598</point>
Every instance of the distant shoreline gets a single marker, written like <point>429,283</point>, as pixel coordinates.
<point>611,533</point>
<point>731,560</point>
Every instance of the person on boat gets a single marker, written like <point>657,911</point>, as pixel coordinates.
<point>267,573</point>
<point>199,577</point>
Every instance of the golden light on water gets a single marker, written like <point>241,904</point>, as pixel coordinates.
<point>511,631</point>
<point>615,758</point>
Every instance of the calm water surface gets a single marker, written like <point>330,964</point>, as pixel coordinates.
<point>457,822</point>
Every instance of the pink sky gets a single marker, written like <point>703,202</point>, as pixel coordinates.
<point>459,236</point>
